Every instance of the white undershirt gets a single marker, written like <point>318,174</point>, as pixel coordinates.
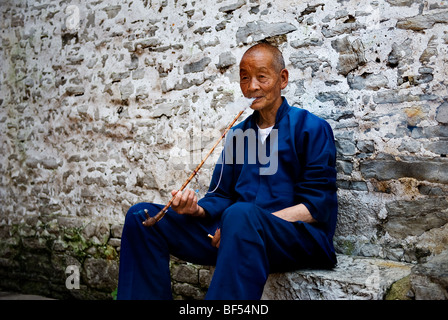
<point>264,133</point>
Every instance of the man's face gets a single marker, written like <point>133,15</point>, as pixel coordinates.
<point>260,80</point>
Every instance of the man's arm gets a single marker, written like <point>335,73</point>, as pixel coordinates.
<point>295,213</point>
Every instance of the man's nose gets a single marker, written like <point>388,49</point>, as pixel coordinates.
<point>253,84</point>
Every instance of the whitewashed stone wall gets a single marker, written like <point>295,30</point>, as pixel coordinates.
<point>108,103</point>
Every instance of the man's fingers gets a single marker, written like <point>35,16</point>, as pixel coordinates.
<point>177,198</point>
<point>194,203</point>
<point>216,238</point>
<point>184,202</point>
<point>185,195</point>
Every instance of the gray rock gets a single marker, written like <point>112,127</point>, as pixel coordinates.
<point>351,54</point>
<point>420,169</point>
<point>414,217</point>
<point>344,28</point>
<point>260,30</point>
<point>232,7</point>
<point>100,274</point>
<point>303,60</point>
<point>75,90</point>
<point>345,147</point>
<point>309,10</point>
<point>344,166</point>
<point>189,291</point>
<point>339,99</point>
<point>354,278</point>
<point>367,81</point>
<point>112,11</point>
<point>352,185</point>
<point>423,22</point>
<point>148,43</point>
<point>429,281</point>
<point>197,66</point>
<point>430,51</point>
<point>146,180</point>
<point>185,273</point>
<point>226,60</point>
<point>442,113</point>
<point>309,42</point>
<point>118,76</point>
<point>393,96</point>
<point>402,3</point>
<point>165,109</point>
<point>438,147</point>
<point>126,91</point>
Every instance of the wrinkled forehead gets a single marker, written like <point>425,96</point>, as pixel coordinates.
<point>257,59</point>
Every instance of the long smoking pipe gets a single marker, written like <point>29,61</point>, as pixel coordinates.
<point>150,221</point>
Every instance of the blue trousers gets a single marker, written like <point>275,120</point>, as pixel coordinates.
<point>253,244</point>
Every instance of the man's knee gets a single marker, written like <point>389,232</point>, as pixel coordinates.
<point>136,213</point>
<point>238,211</point>
<point>240,216</point>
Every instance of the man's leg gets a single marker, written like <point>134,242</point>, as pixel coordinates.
<point>145,251</point>
<point>253,244</point>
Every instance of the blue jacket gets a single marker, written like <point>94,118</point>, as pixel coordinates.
<point>305,172</point>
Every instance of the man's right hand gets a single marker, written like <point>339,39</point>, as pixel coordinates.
<point>186,202</point>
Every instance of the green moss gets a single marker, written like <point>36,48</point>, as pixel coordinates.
<point>348,247</point>
<point>399,290</point>
<point>108,252</point>
<point>76,244</point>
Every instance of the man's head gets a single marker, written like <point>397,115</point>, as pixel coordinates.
<point>263,76</point>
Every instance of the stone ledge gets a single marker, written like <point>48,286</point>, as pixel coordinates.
<point>354,278</point>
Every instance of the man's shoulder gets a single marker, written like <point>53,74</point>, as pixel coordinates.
<point>244,124</point>
<point>306,119</point>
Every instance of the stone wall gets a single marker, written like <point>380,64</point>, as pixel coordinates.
<point>108,103</point>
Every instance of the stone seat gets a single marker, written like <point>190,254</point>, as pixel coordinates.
<point>354,278</point>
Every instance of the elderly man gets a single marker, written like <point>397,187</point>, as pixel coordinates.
<point>281,220</point>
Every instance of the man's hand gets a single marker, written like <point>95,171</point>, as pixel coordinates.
<point>295,213</point>
<point>216,240</point>
<point>186,202</point>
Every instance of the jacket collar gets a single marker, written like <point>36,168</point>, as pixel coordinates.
<point>281,112</point>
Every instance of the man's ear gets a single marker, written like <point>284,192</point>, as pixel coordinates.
<point>284,78</point>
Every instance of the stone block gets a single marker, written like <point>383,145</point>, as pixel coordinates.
<point>351,54</point>
<point>226,60</point>
<point>421,169</point>
<point>423,21</point>
<point>414,217</point>
<point>442,113</point>
<point>75,90</point>
<point>367,81</point>
<point>340,29</point>
<point>232,7</point>
<point>354,278</point>
<point>185,273</point>
<point>303,60</point>
<point>429,281</point>
<point>100,274</point>
<point>197,66</point>
<point>260,30</point>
